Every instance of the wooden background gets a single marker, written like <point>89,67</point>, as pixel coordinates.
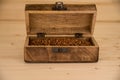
<point>13,33</point>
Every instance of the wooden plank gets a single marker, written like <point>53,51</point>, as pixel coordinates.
<point>12,66</point>
<point>15,11</point>
<point>51,23</point>
<point>108,12</point>
<point>109,29</point>
<point>70,1</point>
<point>18,28</point>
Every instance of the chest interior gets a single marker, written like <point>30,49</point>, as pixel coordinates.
<point>60,26</point>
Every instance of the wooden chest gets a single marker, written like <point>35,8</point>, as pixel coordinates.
<point>60,33</point>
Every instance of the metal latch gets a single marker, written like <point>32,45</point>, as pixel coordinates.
<point>78,35</point>
<point>40,35</point>
<point>59,6</point>
<point>59,50</point>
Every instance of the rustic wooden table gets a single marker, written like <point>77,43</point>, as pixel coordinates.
<point>12,38</point>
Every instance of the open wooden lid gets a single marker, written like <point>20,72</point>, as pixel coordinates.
<point>40,18</point>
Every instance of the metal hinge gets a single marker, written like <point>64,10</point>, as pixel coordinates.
<point>40,35</point>
<point>78,35</point>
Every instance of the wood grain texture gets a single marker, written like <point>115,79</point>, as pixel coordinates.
<point>70,7</point>
<point>59,23</point>
<point>12,37</point>
<point>104,7</point>
<point>76,19</point>
<point>13,67</point>
<point>73,53</point>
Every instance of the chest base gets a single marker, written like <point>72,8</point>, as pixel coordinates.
<point>61,50</point>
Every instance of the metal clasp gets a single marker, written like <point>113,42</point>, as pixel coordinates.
<point>59,6</point>
<point>59,50</point>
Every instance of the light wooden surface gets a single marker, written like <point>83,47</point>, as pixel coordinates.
<point>108,10</point>
<point>12,38</point>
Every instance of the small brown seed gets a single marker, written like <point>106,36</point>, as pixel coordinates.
<point>61,41</point>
